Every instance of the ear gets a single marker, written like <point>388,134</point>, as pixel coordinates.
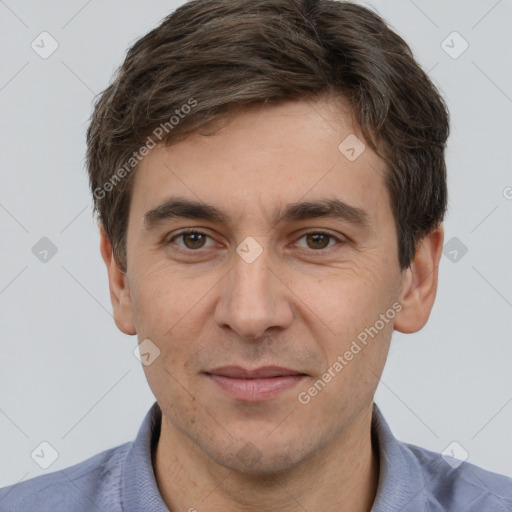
<point>119,287</point>
<point>419,284</point>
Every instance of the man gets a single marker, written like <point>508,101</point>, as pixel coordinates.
<point>270,182</point>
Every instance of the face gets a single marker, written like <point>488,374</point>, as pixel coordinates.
<point>257,256</point>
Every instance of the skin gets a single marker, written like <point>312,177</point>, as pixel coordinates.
<point>298,305</point>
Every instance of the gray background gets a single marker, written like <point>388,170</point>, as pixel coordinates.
<point>69,377</point>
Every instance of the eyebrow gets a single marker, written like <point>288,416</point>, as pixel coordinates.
<point>179,208</point>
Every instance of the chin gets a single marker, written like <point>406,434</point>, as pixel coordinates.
<point>263,458</point>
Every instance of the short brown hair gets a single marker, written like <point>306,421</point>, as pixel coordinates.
<point>210,58</point>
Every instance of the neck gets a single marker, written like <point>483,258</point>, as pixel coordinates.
<point>343,476</point>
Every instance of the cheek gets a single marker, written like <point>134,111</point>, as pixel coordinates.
<point>163,298</point>
<point>164,313</point>
<point>347,299</point>
<point>346,308</point>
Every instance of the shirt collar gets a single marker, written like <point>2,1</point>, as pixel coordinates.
<point>139,487</point>
<point>401,484</point>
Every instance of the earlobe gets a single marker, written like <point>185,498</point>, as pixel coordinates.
<point>419,284</point>
<point>119,287</point>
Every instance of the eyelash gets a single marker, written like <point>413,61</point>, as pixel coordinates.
<point>195,231</point>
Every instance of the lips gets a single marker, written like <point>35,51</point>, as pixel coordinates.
<point>237,372</point>
<point>257,385</point>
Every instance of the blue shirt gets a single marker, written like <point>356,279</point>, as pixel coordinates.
<point>412,479</point>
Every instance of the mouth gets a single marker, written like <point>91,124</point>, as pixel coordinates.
<point>255,385</point>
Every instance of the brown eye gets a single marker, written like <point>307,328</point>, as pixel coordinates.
<point>193,240</point>
<point>318,240</point>
<point>190,240</point>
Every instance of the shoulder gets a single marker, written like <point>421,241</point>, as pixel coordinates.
<point>83,487</point>
<point>452,485</point>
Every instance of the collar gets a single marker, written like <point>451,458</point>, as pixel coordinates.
<point>401,484</point>
<point>139,488</point>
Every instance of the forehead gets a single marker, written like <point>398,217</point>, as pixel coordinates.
<point>257,161</point>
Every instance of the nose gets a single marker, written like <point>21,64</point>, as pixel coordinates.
<point>253,298</point>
